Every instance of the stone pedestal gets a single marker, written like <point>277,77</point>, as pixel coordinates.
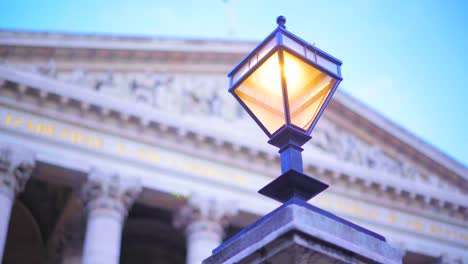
<point>108,198</point>
<point>298,232</point>
<point>16,165</point>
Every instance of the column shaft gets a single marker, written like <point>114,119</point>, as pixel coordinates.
<point>103,237</point>
<point>202,238</point>
<point>6,203</point>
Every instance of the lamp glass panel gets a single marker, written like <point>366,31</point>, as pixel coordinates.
<point>308,88</point>
<point>329,65</point>
<point>294,45</point>
<point>310,54</point>
<point>240,72</point>
<point>269,45</point>
<point>261,92</point>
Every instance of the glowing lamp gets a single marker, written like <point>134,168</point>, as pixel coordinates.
<point>285,81</point>
<point>285,84</point>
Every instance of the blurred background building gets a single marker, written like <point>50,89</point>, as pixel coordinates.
<point>141,135</point>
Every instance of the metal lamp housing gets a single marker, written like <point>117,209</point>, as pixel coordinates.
<point>285,82</point>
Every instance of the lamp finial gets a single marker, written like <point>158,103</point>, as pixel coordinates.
<point>281,20</point>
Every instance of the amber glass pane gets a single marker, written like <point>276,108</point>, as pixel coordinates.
<point>308,89</point>
<point>262,94</point>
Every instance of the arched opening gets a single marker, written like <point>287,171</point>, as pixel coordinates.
<point>24,242</point>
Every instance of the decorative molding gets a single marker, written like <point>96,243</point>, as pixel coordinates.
<point>16,166</point>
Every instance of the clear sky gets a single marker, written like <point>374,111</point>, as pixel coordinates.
<point>404,59</point>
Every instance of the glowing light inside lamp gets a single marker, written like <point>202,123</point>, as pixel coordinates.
<point>307,89</point>
<point>261,92</point>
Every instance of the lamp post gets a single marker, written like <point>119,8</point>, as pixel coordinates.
<point>285,85</point>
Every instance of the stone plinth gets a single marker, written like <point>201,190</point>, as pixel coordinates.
<point>298,232</point>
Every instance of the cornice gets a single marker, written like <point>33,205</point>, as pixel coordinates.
<point>89,103</point>
<point>93,46</point>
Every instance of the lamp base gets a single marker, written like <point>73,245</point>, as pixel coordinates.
<point>293,184</point>
<point>298,233</point>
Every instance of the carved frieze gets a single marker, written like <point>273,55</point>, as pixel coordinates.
<point>345,146</point>
<point>205,95</point>
<point>176,93</point>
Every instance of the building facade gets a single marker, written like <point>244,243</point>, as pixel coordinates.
<point>131,150</point>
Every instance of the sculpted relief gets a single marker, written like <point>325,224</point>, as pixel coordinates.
<point>346,146</point>
<point>175,93</point>
<point>205,95</point>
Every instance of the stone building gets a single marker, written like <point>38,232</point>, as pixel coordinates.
<point>130,149</point>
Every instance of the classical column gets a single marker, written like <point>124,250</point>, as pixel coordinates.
<point>107,198</point>
<point>16,165</point>
<point>203,220</point>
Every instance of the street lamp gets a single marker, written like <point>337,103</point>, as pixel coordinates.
<point>285,84</point>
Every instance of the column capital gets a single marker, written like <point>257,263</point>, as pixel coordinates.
<point>16,165</point>
<point>110,192</point>
<point>203,220</point>
<point>206,209</point>
<point>447,259</point>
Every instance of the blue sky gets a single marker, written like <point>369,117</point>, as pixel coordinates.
<point>405,59</point>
